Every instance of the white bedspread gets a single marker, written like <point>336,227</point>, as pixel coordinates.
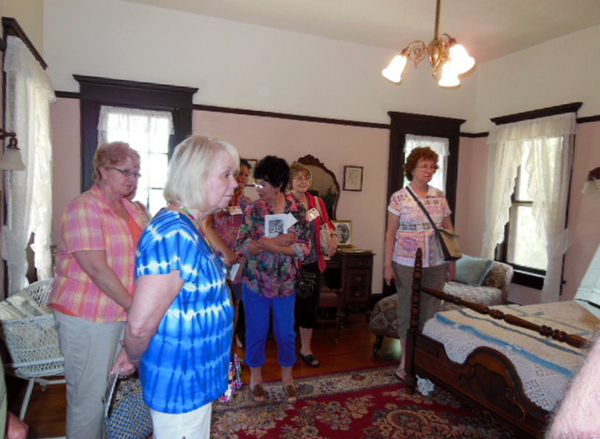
<point>545,366</point>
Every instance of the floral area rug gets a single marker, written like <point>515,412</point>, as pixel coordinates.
<point>364,404</point>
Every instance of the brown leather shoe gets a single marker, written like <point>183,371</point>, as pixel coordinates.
<point>290,392</point>
<point>258,394</point>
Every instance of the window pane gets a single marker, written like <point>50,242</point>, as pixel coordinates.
<point>525,248</point>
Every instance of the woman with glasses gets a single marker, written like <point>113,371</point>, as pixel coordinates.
<point>408,229</point>
<point>94,282</point>
<point>270,272</point>
<point>307,299</point>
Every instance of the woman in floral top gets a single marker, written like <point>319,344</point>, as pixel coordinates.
<point>270,274</point>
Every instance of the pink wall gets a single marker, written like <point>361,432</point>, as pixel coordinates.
<point>335,146</point>
<point>66,144</point>
<point>339,145</point>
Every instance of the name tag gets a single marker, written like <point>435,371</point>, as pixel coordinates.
<point>235,210</point>
<point>312,214</point>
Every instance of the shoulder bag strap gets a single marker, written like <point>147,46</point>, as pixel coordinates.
<point>423,209</point>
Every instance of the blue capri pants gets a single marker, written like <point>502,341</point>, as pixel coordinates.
<point>258,317</point>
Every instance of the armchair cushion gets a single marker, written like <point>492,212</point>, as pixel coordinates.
<point>472,271</point>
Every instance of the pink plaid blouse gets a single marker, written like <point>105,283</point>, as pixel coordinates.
<point>90,224</point>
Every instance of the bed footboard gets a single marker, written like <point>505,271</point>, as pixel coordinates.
<point>487,379</point>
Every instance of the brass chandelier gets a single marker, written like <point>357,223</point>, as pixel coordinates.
<point>448,59</point>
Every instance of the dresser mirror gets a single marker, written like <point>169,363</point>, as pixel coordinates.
<point>324,184</point>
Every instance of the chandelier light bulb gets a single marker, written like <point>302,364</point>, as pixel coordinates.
<point>449,76</point>
<point>393,72</point>
<point>460,58</point>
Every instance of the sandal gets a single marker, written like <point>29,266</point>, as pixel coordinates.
<point>258,394</point>
<point>311,360</point>
<point>290,392</point>
<point>400,375</point>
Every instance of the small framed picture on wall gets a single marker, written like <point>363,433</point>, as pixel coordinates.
<point>343,229</point>
<point>353,177</point>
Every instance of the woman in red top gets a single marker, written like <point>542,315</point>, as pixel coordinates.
<point>307,301</point>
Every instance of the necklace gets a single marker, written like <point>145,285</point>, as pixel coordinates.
<point>191,215</point>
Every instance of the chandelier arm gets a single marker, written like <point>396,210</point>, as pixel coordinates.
<point>415,51</point>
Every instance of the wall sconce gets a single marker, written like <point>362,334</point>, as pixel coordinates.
<point>12,160</point>
<point>590,185</point>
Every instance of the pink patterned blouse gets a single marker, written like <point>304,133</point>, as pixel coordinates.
<point>88,224</point>
<point>415,230</point>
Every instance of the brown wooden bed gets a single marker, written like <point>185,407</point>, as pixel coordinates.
<point>487,379</point>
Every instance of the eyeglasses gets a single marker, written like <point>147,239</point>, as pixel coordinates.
<point>301,178</point>
<point>428,167</point>
<point>128,173</point>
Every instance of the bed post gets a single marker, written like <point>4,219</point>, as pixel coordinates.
<point>411,380</point>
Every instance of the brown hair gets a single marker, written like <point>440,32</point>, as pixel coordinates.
<point>295,169</point>
<point>424,153</point>
<point>109,155</point>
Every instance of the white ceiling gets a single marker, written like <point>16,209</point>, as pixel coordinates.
<point>487,28</point>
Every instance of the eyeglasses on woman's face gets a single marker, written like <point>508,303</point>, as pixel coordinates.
<point>128,172</point>
<point>301,178</point>
<point>428,167</point>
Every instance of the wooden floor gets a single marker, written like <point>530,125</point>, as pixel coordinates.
<point>46,413</point>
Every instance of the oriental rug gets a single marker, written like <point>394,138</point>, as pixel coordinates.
<point>363,404</point>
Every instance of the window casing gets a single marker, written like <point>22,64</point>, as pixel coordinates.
<point>95,92</point>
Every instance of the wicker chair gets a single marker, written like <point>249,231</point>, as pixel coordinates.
<point>32,344</point>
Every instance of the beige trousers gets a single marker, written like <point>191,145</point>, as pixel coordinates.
<point>89,349</point>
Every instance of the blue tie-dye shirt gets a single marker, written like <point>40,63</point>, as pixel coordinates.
<point>187,363</point>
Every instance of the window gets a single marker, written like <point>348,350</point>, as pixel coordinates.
<point>148,133</point>
<point>528,188</point>
<point>98,92</point>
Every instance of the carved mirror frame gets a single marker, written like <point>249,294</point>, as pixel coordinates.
<point>320,169</point>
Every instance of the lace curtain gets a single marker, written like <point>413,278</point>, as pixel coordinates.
<point>441,146</point>
<point>548,143</point>
<point>29,94</point>
<point>133,122</point>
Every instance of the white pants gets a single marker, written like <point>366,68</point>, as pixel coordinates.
<point>89,349</point>
<point>190,425</point>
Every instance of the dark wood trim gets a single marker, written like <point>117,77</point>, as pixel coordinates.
<point>95,92</point>
<point>290,116</point>
<point>535,114</point>
<point>67,94</point>
<point>12,27</point>
<point>2,44</point>
<point>475,135</point>
<point>588,119</point>
<point>132,93</point>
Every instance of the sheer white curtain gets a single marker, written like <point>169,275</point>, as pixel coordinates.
<point>441,146</point>
<point>549,144</point>
<point>29,94</point>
